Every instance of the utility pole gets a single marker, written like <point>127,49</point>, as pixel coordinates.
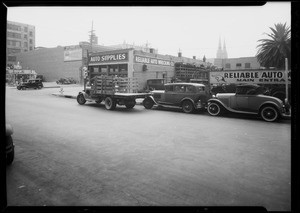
<point>92,37</point>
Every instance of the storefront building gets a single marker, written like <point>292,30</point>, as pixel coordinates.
<point>137,64</point>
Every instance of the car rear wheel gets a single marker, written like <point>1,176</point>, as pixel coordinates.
<point>80,99</point>
<point>214,109</point>
<point>269,113</point>
<point>148,103</point>
<point>187,107</point>
<point>110,103</point>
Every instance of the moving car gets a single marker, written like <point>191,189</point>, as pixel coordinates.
<point>187,96</point>
<point>10,148</point>
<point>248,99</point>
<point>31,83</point>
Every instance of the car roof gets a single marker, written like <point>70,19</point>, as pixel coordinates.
<point>191,84</point>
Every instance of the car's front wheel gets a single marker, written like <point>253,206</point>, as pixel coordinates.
<point>214,109</point>
<point>148,103</point>
<point>187,107</point>
<point>269,113</point>
<point>80,99</point>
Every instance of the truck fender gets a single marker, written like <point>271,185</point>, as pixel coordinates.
<point>86,96</point>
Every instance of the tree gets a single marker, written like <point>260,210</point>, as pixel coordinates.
<point>272,52</point>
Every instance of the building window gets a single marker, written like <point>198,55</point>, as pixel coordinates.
<point>14,35</point>
<point>227,66</point>
<point>25,36</point>
<point>13,27</point>
<point>30,41</point>
<point>12,50</point>
<point>238,65</point>
<point>30,33</point>
<point>247,65</point>
<point>25,29</point>
<point>30,48</point>
<point>11,58</point>
<point>25,44</point>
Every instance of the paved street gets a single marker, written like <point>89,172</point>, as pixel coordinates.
<point>68,154</point>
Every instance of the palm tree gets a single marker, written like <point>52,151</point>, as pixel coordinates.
<point>272,52</point>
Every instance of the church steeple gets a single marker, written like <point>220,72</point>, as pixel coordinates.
<point>219,52</point>
<point>224,50</point>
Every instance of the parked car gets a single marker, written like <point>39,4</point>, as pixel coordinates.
<point>248,99</point>
<point>187,96</point>
<point>10,147</point>
<point>31,83</point>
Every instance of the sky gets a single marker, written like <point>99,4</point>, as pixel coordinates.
<point>195,31</point>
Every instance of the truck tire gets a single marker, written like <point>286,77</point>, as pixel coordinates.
<point>148,103</point>
<point>269,113</point>
<point>187,107</point>
<point>214,109</point>
<point>11,155</point>
<point>110,103</point>
<point>80,99</point>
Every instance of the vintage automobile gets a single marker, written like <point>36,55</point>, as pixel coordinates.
<point>10,148</point>
<point>248,99</point>
<point>31,83</point>
<point>187,96</point>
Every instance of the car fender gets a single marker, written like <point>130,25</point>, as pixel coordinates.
<point>187,98</point>
<point>150,96</point>
<point>9,130</point>
<point>270,103</point>
<point>217,101</point>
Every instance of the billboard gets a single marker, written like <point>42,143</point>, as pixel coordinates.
<point>73,53</point>
<point>255,77</point>
<point>155,61</point>
<point>104,58</point>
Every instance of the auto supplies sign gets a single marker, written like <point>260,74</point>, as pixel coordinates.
<point>104,58</point>
<point>256,77</point>
<point>72,53</point>
<point>155,61</point>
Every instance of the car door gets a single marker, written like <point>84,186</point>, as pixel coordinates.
<point>178,93</point>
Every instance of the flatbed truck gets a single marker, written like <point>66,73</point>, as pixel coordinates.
<point>112,90</point>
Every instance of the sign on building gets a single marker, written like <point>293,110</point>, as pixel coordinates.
<point>73,53</point>
<point>255,77</point>
<point>104,58</point>
<point>155,61</point>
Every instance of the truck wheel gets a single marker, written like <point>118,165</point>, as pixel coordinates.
<point>148,103</point>
<point>80,99</point>
<point>187,107</point>
<point>269,113</point>
<point>214,109</point>
<point>110,103</point>
<point>39,87</point>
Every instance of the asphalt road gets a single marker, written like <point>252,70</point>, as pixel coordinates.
<point>72,155</point>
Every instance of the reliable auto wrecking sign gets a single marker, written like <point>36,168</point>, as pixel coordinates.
<point>155,61</point>
<point>256,77</point>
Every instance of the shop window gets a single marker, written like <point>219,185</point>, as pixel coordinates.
<point>247,65</point>
<point>227,66</point>
<point>95,69</point>
<point>11,58</point>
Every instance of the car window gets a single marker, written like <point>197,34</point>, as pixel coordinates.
<point>200,89</point>
<point>242,90</point>
<point>190,89</point>
<point>176,88</point>
<point>169,88</point>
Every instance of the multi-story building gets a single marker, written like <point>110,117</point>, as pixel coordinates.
<point>20,38</point>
